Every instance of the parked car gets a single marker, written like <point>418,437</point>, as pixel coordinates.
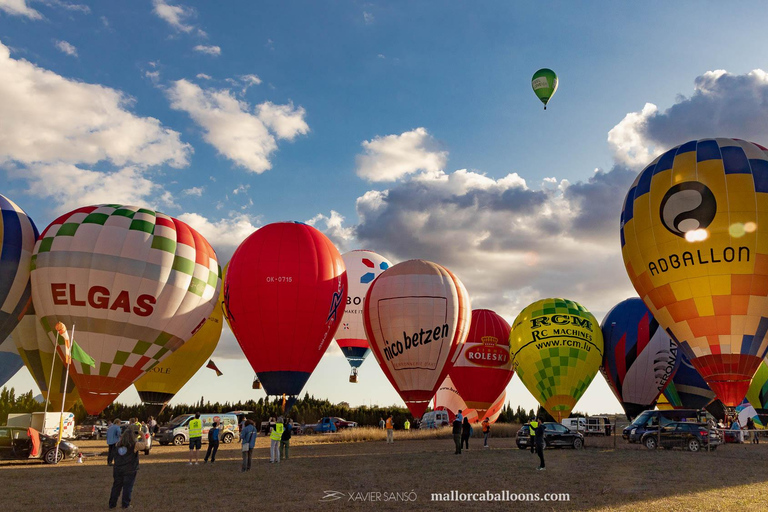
<point>555,435</point>
<point>686,435</point>
<point>15,443</point>
<point>649,421</point>
<point>177,430</point>
<point>92,428</point>
<point>342,423</point>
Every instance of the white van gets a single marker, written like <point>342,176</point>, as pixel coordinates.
<point>177,430</point>
<point>45,423</point>
<point>435,419</point>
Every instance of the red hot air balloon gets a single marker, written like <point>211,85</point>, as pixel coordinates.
<point>416,316</point>
<point>284,291</point>
<point>484,367</point>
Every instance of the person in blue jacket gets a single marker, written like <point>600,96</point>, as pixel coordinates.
<point>248,441</point>
<point>113,436</point>
<point>213,443</point>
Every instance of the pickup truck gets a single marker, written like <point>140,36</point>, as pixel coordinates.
<point>325,425</point>
<point>342,423</point>
<point>92,429</point>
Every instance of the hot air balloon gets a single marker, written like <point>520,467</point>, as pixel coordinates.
<point>557,348</point>
<point>484,367</point>
<point>544,83</point>
<point>758,390</point>
<point>162,382</point>
<point>133,285</point>
<point>362,268</point>
<point>37,348</point>
<point>494,411</point>
<point>417,316</point>
<point>689,236</point>
<point>639,357</point>
<point>688,390</point>
<point>284,292</point>
<point>447,398</point>
<point>17,241</point>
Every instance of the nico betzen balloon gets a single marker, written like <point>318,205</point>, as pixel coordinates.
<point>416,316</point>
<point>557,348</point>
<point>130,284</point>
<point>544,83</point>
<point>640,357</point>
<point>284,293</point>
<point>362,268</point>
<point>690,240</point>
<point>162,382</point>
<point>37,348</point>
<point>17,241</point>
<point>484,367</point>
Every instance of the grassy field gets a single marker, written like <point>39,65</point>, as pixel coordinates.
<point>599,477</point>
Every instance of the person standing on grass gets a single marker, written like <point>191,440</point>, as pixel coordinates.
<point>113,436</point>
<point>466,432</point>
<point>486,432</point>
<point>540,442</point>
<point>248,440</point>
<point>459,416</point>
<point>457,435</point>
<point>195,437</point>
<point>125,468</point>
<point>407,425</point>
<point>390,430</point>
<point>213,443</point>
<point>381,423</point>
<point>275,436</point>
<point>532,426</point>
<point>285,441</point>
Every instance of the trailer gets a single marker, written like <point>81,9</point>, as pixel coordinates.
<point>45,423</point>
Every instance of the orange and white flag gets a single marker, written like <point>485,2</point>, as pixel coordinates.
<point>62,330</point>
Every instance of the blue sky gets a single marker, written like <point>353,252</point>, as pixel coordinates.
<point>408,128</point>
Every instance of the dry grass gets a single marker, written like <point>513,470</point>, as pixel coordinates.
<point>361,434</point>
<point>597,478</point>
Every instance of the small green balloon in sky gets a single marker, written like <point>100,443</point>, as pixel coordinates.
<point>544,83</point>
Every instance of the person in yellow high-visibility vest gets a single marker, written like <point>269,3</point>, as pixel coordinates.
<point>532,430</point>
<point>275,435</point>
<point>195,436</point>
<point>407,425</point>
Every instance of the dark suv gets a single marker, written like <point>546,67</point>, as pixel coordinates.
<point>686,435</point>
<point>555,435</point>
<point>648,421</point>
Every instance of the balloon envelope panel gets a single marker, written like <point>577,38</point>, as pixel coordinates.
<point>557,348</point>
<point>640,357</point>
<point>758,389</point>
<point>484,366</point>
<point>285,292</point>
<point>448,398</point>
<point>688,389</point>
<point>690,243</point>
<point>134,283</point>
<point>10,361</point>
<point>362,268</point>
<point>417,315</point>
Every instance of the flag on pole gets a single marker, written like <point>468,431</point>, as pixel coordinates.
<point>78,354</point>
<point>62,330</point>
<point>72,350</point>
<point>213,367</point>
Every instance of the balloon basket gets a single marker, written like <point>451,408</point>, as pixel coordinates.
<point>353,378</point>
<point>256,384</point>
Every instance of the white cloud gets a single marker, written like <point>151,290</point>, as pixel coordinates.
<point>212,50</point>
<point>67,48</point>
<point>225,234</point>
<point>194,191</point>
<point>393,157</point>
<point>368,17</point>
<point>241,189</point>
<point>333,227</point>
<point>240,136</point>
<point>19,8</point>
<point>68,6</point>
<point>177,16</point>
<point>722,105</point>
<point>48,118</point>
<point>203,76</point>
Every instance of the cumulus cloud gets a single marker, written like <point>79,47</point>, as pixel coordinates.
<point>203,76</point>
<point>212,50</point>
<point>224,234</point>
<point>392,157</point>
<point>67,48</point>
<point>722,105</point>
<point>246,139</point>
<point>194,191</point>
<point>48,118</point>
<point>177,16</point>
<point>19,8</point>
<point>333,227</point>
<point>68,6</point>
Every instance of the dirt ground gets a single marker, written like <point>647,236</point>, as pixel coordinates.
<point>374,475</point>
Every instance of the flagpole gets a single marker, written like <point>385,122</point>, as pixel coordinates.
<point>50,380</point>
<point>64,395</point>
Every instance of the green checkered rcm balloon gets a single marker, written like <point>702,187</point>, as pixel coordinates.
<point>136,284</point>
<point>544,83</point>
<point>556,347</point>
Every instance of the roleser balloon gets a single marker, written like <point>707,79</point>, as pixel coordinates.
<point>484,367</point>
<point>690,237</point>
<point>362,268</point>
<point>285,291</point>
<point>688,389</point>
<point>17,241</point>
<point>640,358</point>
<point>38,351</point>
<point>557,348</point>
<point>416,316</point>
<point>131,284</point>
